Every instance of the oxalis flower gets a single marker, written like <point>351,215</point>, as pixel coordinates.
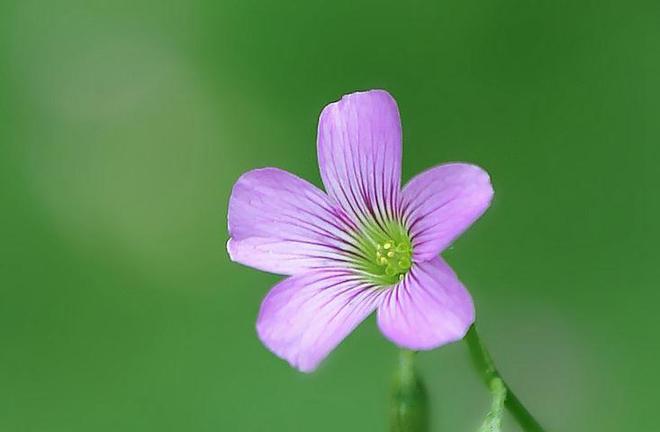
<point>366,244</point>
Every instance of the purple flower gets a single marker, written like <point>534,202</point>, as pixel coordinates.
<point>366,244</point>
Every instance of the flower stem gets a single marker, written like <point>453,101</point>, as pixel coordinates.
<point>409,405</point>
<point>483,362</point>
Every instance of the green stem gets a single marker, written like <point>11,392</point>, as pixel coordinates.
<point>409,405</point>
<point>483,362</point>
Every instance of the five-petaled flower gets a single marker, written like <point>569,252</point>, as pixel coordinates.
<point>365,244</point>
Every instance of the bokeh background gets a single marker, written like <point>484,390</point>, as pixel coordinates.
<point>123,125</point>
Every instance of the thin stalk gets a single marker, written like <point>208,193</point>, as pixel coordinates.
<point>409,404</point>
<point>484,364</point>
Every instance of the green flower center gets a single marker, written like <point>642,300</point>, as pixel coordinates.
<point>394,257</point>
<point>385,253</point>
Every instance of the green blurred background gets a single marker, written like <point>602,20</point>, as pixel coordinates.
<point>124,124</point>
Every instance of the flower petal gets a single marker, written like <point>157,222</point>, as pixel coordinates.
<point>283,224</point>
<point>440,203</point>
<point>306,316</point>
<point>429,308</point>
<point>359,151</point>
